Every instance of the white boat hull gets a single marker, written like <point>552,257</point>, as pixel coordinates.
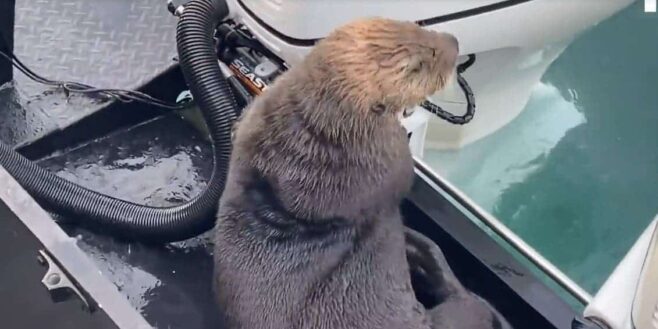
<point>514,46</point>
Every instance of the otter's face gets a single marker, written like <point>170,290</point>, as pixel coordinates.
<point>389,65</point>
<point>423,62</point>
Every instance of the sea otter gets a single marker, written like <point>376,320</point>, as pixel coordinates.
<point>309,232</point>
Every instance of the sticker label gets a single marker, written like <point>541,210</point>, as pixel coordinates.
<point>246,72</point>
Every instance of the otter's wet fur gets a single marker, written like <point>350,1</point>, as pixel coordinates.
<point>309,233</point>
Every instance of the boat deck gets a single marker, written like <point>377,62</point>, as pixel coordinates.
<point>119,149</point>
<point>169,285</point>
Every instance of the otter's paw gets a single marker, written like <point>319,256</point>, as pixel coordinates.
<point>449,304</point>
<point>432,279</point>
<point>466,312</point>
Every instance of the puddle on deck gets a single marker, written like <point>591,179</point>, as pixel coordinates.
<point>169,285</point>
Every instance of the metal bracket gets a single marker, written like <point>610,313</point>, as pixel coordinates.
<point>56,281</point>
<point>174,9</point>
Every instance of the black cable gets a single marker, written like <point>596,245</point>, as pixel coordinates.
<point>76,87</point>
<point>468,93</point>
<point>122,95</point>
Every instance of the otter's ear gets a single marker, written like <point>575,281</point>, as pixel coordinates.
<point>414,65</point>
<point>378,108</point>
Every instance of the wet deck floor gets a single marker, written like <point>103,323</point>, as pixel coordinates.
<point>170,285</point>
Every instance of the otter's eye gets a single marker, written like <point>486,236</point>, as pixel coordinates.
<point>415,65</point>
<point>417,68</point>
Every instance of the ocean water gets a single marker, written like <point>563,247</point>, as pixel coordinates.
<point>576,174</point>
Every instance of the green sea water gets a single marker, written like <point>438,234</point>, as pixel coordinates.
<point>576,174</point>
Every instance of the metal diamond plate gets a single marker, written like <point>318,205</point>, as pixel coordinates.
<point>117,43</point>
<point>104,43</point>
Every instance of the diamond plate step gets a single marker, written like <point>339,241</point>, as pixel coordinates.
<point>104,43</point>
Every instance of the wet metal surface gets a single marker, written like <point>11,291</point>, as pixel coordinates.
<point>107,44</point>
<point>169,285</point>
<point>17,122</point>
<point>26,116</point>
<point>141,164</point>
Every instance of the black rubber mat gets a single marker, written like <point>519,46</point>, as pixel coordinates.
<point>107,44</point>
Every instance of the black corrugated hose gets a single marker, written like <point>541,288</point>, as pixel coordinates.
<point>104,214</point>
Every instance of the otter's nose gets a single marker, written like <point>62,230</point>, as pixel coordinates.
<point>450,48</point>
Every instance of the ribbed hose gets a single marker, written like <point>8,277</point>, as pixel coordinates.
<point>107,215</point>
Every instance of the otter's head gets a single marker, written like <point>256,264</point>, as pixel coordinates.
<point>385,66</point>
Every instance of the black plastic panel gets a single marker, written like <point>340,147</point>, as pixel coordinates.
<point>6,37</point>
<point>25,303</point>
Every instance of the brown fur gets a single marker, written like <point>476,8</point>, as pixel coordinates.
<point>309,233</point>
